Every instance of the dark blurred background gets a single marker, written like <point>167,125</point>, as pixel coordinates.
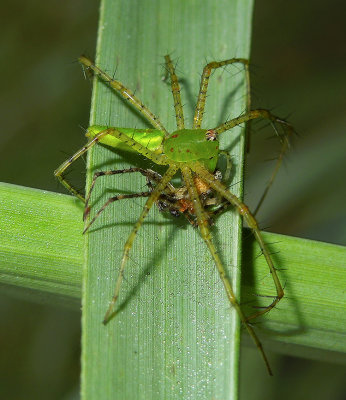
<point>298,71</point>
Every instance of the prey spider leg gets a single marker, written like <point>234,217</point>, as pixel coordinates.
<point>112,200</point>
<point>194,152</point>
<point>148,173</point>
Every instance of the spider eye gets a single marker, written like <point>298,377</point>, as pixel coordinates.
<point>211,135</point>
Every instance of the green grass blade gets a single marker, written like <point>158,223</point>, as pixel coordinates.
<point>175,335</point>
<point>41,244</point>
<point>310,320</point>
<point>41,250</point>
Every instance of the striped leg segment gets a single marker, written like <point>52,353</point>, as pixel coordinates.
<point>202,222</point>
<point>284,139</point>
<point>112,200</point>
<point>60,171</point>
<point>124,92</point>
<point>155,194</point>
<point>179,113</point>
<point>157,158</point>
<point>252,223</point>
<point>148,173</point>
<point>202,96</point>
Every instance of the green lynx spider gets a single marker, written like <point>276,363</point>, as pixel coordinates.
<point>193,152</point>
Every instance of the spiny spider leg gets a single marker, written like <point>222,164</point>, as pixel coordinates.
<point>112,200</point>
<point>202,96</point>
<point>126,93</point>
<point>148,173</point>
<point>284,148</point>
<point>59,172</point>
<point>284,138</point>
<point>199,111</point>
<point>205,233</point>
<point>179,113</point>
<point>155,194</point>
<point>251,221</point>
<point>160,159</point>
<point>226,175</point>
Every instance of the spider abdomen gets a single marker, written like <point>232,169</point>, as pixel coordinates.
<point>149,138</point>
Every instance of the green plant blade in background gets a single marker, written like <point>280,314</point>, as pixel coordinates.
<point>41,245</point>
<point>41,258</point>
<point>175,335</point>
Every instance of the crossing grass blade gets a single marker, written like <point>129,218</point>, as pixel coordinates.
<point>41,258</point>
<point>175,335</point>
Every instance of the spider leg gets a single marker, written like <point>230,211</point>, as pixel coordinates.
<point>226,175</point>
<point>153,176</point>
<point>222,176</point>
<point>179,113</point>
<point>205,233</point>
<point>59,172</point>
<point>167,202</point>
<point>112,200</point>
<point>148,173</point>
<point>202,96</point>
<point>222,207</point>
<point>284,147</point>
<point>125,93</point>
<point>284,139</point>
<point>156,158</point>
<point>155,194</point>
<point>251,221</point>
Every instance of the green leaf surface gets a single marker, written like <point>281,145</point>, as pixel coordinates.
<point>310,320</point>
<point>41,246</point>
<point>175,335</point>
<point>41,250</point>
